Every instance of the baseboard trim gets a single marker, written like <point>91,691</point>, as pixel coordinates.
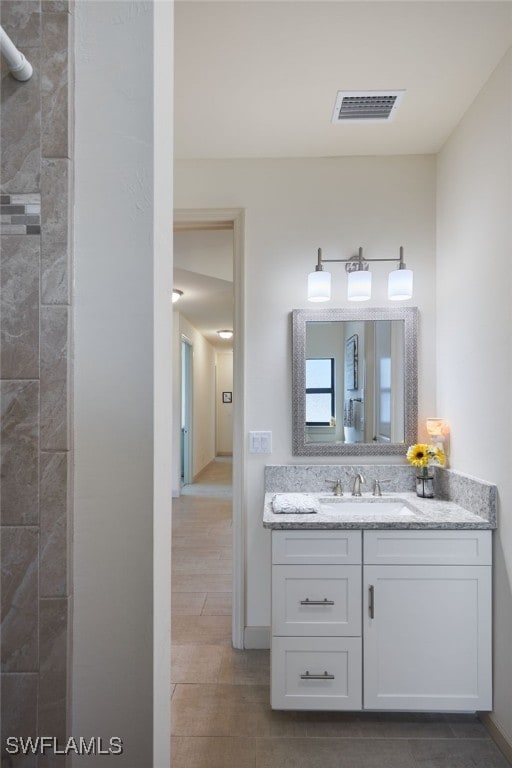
<point>497,734</point>
<point>257,638</point>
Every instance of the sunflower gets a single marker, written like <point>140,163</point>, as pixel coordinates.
<point>417,455</point>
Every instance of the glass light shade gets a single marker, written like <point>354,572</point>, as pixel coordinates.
<point>400,285</point>
<point>437,427</point>
<point>176,295</point>
<point>319,286</point>
<point>225,334</point>
<point>359,285</point>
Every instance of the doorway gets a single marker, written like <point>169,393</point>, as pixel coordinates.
<point>197,220</point>
<point>186,412</point>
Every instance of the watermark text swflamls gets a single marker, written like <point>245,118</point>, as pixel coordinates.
<point>42,745</point>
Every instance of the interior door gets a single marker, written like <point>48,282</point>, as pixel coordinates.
<point>186,412</point>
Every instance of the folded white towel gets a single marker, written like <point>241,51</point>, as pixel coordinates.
<point>295,503</point>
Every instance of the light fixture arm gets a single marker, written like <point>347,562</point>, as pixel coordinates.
<point>359,259</point>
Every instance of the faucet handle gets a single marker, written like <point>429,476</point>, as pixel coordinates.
<point>337,486</point>
<point>376,487</point>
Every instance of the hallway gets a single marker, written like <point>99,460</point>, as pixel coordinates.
<point>220,699</point>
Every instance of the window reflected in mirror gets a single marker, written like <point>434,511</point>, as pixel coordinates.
<point>320,392</point>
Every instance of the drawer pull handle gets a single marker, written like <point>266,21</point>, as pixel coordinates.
<point>308,676</point>
<point>325,601</point>
<point>371,602</point>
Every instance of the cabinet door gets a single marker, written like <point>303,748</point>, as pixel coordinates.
<point>316,673</point>
<point>321,600</point>
<point>427,637</point>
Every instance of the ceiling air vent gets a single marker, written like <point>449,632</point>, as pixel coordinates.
<point>356,106</point>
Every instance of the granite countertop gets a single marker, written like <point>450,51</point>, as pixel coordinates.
<point>418,513</point>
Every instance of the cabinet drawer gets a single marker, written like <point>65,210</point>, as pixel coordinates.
<point>316,673</point>
<point>411,547</point>
<point>316,600</point>
<point>308,547</point>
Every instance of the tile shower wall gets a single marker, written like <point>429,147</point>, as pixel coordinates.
<point>35,242</point>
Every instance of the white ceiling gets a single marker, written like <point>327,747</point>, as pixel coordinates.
<point>203,270</point>
<point>259,79</point>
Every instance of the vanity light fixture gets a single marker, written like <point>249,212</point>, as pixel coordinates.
<point>400,281</point>
<point>225,334</point>
<point>176,295</point>
<point>359,287</point>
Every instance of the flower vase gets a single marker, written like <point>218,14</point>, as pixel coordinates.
<point>425,483</point>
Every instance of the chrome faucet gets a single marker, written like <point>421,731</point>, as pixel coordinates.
<point>356,488</point>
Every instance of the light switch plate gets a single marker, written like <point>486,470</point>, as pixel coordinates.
<point>260,442</point>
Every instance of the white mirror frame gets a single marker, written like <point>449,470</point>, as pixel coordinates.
<point>299,319</point>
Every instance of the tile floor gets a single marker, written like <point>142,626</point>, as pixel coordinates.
<point>220,699</point>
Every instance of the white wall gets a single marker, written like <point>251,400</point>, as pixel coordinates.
<point>474,321</point>
<point>113,532</point>
<point>292,208</point>
<point>163,124</point>
<point>206,252</point>
<point>224,411</point>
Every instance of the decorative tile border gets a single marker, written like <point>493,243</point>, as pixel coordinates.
<point>20,214</point>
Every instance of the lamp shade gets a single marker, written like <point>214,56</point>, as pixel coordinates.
<point>400,285</point>
<point>319,286</point>
<point>437,427</point>
<point>359,285</point>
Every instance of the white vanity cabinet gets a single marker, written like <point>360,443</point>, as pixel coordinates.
<point>406,611</point>
<point>316,620</point>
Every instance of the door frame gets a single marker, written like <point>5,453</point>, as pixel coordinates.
<point>186,218</point>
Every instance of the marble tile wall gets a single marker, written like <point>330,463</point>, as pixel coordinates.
<point>35,355</point>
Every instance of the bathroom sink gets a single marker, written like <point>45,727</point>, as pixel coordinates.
<point>363,507</point>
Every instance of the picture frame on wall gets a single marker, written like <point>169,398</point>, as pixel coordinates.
<point>227,397</point>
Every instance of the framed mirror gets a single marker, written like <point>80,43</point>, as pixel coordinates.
<point>354,381</point>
